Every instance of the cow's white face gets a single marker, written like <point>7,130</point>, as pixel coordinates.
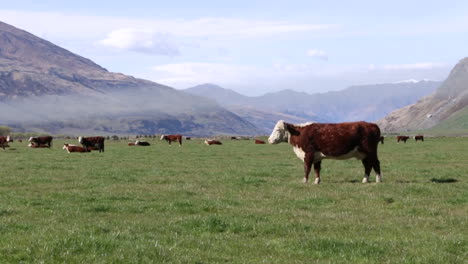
<point>80,139</point>
<point>162,137</point>
<point>8,139</point>
<point>30,139</point>
<point>279,134</point>
<point>65,146</point>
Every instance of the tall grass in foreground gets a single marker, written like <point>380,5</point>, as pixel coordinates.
<point>235,203</point>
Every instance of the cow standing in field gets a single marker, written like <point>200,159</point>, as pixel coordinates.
<point>313,142</point>
<point>4,141</point>
<point>89,143</point>
<point>170,138</point>
<point>73,148</point>
<point>44,140</point>
<point>258,141</point>
<point>381,139</point>
<point>419,137</point>
<point>212,142</point>
<point>402,138</point>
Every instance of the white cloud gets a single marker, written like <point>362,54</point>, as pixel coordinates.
<point>319,54</point>
<point>141,40</point>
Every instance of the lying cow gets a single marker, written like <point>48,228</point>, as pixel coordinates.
<point>314,142</point>
<point>4,141</point>
<point>142,143</point>
<point>212,142</point>
<point>419,137</point>
<point>170,138</point>
<point>74,148</point>
<point>43,140</point>
<point>89,143</point>
<point>31,145</point>
<point>402,138</point>
<point>258,141</point>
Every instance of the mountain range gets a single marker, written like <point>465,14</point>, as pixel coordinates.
<point>46,88</point>
<point>364,102</point>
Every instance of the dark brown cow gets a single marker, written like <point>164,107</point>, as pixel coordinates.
<point>419,137</point>
<point>92,142</point>
<point>4,141</point>
<point>74,148</point>
<point>258,141</point>
<point>170,138</point>
<point>402,138</point>
<point>44,140</point>
<point>313,142</point>
<point>381,139</point>
<point>212,142</point>
<point>142,143</point>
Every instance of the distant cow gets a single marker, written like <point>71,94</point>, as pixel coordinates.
<point>92,142</point>
<point>381,139</point>
<point>258,141</point>
<point>234,138</point>
<point>188,138</point>
<point>170,138</point>
<point>44,140</point>
<point>31,145</point>
<point>142,143</point>
<point>419,137</point>
<point>212,142</point>
<point>4,141</point>
<point>402,138</point>
<point>73,148</point>
<point>313,142</point>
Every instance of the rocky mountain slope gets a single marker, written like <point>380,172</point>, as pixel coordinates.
<point>448,101</point>
<point>44,87</point>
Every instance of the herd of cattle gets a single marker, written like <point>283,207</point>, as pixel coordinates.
<point>311,142</point>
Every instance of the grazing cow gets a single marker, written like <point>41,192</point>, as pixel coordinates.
<point>419,137</point>
<point>258,141</point>
<point>89,143</point>
<point>313,142</point>
<point>142,143</point>
<point>234,138</point>
<point>170,138</point>
<point>31,145</point>
<point>381,139</point>
<point>4,141</point>
<point>188,138</point>
<point>44,140</point>
<point>402,138</point>
<point>212,142</point>
<point>74,148</point>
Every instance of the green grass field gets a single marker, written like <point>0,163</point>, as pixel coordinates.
<point>235,203</point>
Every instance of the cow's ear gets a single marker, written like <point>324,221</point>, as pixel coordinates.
<point>292,130</point>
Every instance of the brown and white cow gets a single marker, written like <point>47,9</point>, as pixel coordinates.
<point>313,142</point>
<point>4,141</point>
<point>258,141</point>
<point>170,138</point>
<point>212,142</point>
<point>92,142</point>
<point>43,140</point>
<point>142,143</point>
<point>419,137</point>
<point>31,145</point>
<point>73,148</point>
<point>402,138</point>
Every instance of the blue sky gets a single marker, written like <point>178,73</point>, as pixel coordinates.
<point>255,47</point>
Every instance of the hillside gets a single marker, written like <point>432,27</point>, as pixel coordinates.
<point>44,87</point>
<point>365,102</point>
<point>448,103</point>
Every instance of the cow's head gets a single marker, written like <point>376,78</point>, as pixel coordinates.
<point>65,146</point>
<point>9,139</point>
<point>31,139</point>
<point>80,139</point>
<point>162,137</point>
<point>279,133</point>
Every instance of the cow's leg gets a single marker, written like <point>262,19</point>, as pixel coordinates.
<point>317,167</point>
<point>376,166</point>
<point>308,160</point>
<point>367,169</point>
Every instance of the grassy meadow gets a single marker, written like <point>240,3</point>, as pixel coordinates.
<point>235,203</point>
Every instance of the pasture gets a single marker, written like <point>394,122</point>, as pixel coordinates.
<point>235,203</point>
